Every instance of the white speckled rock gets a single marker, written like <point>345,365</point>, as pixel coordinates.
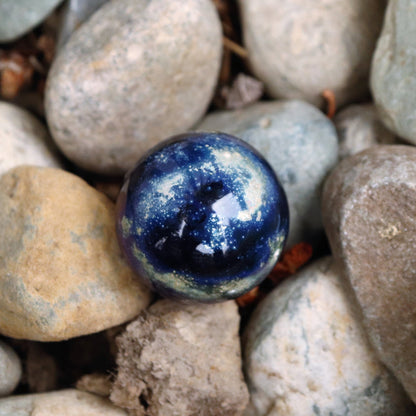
<point>359,127</point>
<point>10,369</point>
<point>62,274</point>
<point>182,360</point>
<point>18,17</point>
<point>369,211</point>
<point>301,145</point>
<point>76,12</point>
<point>59,403</point>
<point>299,48</point>
<point>135,73</point>
<point>306,353</point>
<point>24,140</point>
<point>393,80</point>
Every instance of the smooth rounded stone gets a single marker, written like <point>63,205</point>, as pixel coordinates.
<point>359,127</point>
<point>393,83</point>
<point>18,17</point>
<point>182,360</point>
<point>75,13</point>
<point>62,274</point>
<point>306,353</point>
<point>144,71</point>
<point>203,217</point>
<point>10,370</point>
<point>369,211</point>
<point>24,140</point>
<point>300,144</point>
<point>300,48</point>
<point>69,402</point>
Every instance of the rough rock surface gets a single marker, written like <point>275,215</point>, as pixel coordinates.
<point>18,17</point>
<point>369,211</point>
<point>393,81</point>
<point>181,360</point>
<point>59,403</point>
<point>62,274</point>
<point>300,48</point>
<point>10,369</point>
<point>301,145</point>
<point>24,140</point>
<point>134,74</point>
<point>306,353</point>
<point>359,127</point>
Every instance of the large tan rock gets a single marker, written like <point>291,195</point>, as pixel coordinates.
<point>369,212</point>
<point>61,271</point>
<point>136,72</point>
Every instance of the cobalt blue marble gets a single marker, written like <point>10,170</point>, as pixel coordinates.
<point>202,216</point>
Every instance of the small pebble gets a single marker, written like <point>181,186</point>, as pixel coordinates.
<point>393,81</point>
<point>299,48</point>
<point>10,370</point>
<point>305,353</point>
<point>62,274</point>
<point>135,73</point>
<point>369,211</point>
<point>359,127</point>
<point>18,17</point>
<point>300,144</point>
<point>69,402</point>
<point>182,360</point>
<point>24,140</point>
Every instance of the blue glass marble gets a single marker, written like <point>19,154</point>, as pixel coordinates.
<point>202,216</point>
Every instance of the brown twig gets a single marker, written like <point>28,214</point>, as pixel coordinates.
<point>331,105</point>
<point>234,47</point>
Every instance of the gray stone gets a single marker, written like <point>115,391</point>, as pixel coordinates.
<point>369,211</point>
<point>301,145</point>
<point>305,353</point>
<point>359,127</point>
<point>181,360</point>
<point>10,369</point>
<point>60,403</point>
<point>74,14</point>
<point>393,81</point>
<point>18,17</point>
<point>299,48</point>
<point>134,74</point>
<point>62,273</point>
<point>24,140</point>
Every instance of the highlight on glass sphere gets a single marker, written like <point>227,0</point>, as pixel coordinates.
<point>202,216</point>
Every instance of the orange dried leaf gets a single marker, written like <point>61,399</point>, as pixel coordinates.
<point>291,261</point>
<point>331,105</point>
<point>249,297</point>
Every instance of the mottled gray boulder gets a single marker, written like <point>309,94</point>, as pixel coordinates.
<point>24,140</point>
<point>299,48</point>
<point>305,353</point>
<point>74,13</point>
<point>181,360</point>
<point>369,211</point>
<point>18,17</point>
<point>134,74</point>
<point>359,127</point>
<point>393,80</point>
<point>10,369</point>
<point>62,273</point>
<point>59,403</point>
<point>301,145</point>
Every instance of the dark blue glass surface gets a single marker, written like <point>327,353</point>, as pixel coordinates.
<point>202,217</point>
